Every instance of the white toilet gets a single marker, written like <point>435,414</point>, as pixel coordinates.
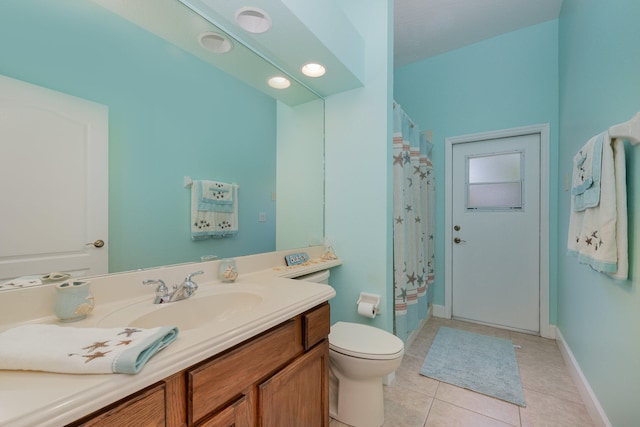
<point>359,357</point>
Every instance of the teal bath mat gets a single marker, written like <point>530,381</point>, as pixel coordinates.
<point>476,362</point>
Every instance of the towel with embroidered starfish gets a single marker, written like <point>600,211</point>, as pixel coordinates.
<point>70,350</point>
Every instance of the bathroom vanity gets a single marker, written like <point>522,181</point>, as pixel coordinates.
<point>263,363</point>
<point>279,378</point>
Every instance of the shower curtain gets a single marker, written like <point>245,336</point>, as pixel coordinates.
<point>413,222</point>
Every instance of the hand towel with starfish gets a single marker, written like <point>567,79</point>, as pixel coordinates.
<point>71,350</point>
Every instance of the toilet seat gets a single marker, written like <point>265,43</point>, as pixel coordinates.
<point>364,342</point>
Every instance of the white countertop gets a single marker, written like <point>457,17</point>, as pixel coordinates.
<point>48,399</point>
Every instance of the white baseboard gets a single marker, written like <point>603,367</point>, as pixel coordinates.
<point>438,311</point>
<point>598,416</point>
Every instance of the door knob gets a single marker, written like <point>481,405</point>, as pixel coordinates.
<point>457,240</point>
<point>98,243</point>
<point>456,227</point>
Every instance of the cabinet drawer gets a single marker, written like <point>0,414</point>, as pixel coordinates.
<point>316,325</point>
<point>143,409</point>
<point>214,383</point>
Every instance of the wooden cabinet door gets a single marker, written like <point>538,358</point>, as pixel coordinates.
<point>298,395</point>
<point>238,414</point>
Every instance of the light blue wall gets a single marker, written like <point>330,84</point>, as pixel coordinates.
<point>300,175</point>
<point>600,86</point>
<point>504,82</point>
<point>170,115</point>
<point>358,180</point>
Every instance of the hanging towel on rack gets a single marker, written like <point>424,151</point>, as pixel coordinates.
<point>598,235</point>
<point>587,169</point>
<point>211,216</point>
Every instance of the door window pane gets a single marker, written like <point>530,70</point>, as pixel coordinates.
<point>494,182</point>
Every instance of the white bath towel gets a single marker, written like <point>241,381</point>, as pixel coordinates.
<point>70,350</point>
<point>207,222</point>
<point>598,235</point>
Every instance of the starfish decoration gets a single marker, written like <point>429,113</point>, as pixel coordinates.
<point>403,294</point>
<point>423,175</point>
<point>416,170</point>
<point>129,331</point>
<point>95,355</point>
<point>420,279</point>
<point>411,279</point>
<point>407,158</point>
<point>409,208</point>
<point>399,220</point>
<point>397,160</point>
<point>96,345</point>
<point>588,241</point>
<point>125,342</point>
<point>417,219</point>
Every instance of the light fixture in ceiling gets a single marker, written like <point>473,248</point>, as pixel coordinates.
<point>313,69</point>
<point>215,42</point>
<point>253,20</point>
<point>279,82</point>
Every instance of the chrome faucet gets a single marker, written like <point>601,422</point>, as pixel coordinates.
<point>187,288</point>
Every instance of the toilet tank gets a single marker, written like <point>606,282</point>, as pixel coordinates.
<point>317,277</point>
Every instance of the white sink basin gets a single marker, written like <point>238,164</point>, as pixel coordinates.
<point>191,313</point>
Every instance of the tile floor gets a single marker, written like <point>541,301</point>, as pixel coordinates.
<point>552,398</point>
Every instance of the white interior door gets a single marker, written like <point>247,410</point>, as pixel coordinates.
<point>53,182</point>
<point>496,231</point>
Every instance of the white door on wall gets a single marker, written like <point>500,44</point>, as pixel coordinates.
<point>495,251</point>
<point>53,182</point>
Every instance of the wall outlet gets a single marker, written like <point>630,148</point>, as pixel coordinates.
<point>262,217</point>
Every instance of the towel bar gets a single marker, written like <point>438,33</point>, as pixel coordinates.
<point>629,130</point>
<point>188,181</point>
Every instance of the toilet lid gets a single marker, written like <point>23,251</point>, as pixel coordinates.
<point>365,342</point>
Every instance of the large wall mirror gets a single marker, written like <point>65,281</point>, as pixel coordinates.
<point>175,109</point>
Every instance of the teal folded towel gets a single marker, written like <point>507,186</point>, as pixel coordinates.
<point>214,196</point>
<point>73,350</point>
<point>587,171</point>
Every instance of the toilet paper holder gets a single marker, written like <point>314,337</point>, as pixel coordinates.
<point>372,299</point>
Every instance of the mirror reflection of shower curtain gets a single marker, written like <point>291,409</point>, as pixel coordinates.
<point>413,223</point>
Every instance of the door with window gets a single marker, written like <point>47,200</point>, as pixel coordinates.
<point>496,232</point>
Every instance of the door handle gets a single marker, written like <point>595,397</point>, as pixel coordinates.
<point>457,240</point>
<point>98,243</point>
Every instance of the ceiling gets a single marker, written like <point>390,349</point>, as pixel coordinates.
<point>425,28</point>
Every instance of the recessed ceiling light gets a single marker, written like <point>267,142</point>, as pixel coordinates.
<point>313,69</point>
<point>279,82</point>
<point>215,42</point>
<point>253,20</point>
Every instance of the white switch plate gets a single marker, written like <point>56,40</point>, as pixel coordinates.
<point>262,217</point>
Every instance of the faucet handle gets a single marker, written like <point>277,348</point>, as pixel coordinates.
<point>162,292</point>
<point>188,279</point>
<point>159,282</point>
<point>193,286</point>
